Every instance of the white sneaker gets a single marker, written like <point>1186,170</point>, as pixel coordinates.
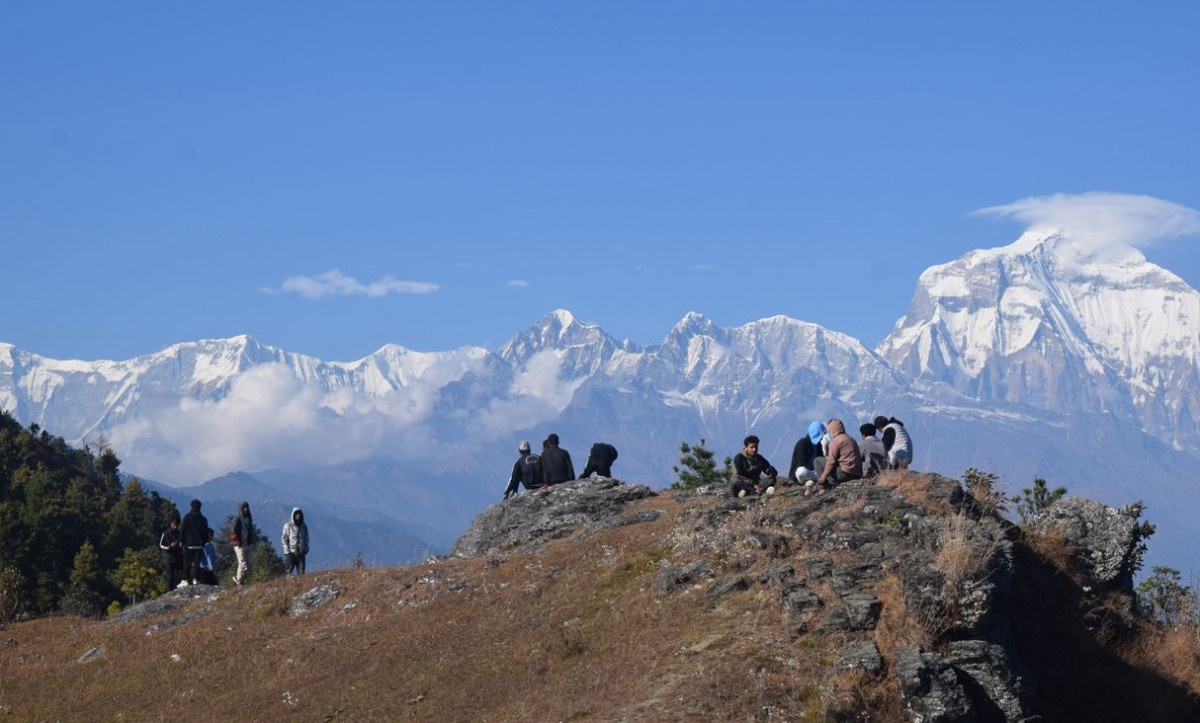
<point>770,490</point>
<point>183,583</point>
<point>741,493</point>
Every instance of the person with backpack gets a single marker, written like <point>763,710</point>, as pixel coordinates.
<point>896,441</point>
<point>295,542</point>
<point>171,545</point>
<point>748,467</point>
<point>527,470</point>
<point>600,460</point>
<point>194,533</point>
<point>874,456</point>
<point>242,537</point>
<point>556,462</point>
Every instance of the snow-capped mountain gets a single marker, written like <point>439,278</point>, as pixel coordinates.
<point>1043,323</point>
<point>1030,359</point>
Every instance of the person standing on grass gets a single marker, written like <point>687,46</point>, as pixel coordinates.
<point>242,536</point>
<point>171,545</point>
<point>295,542</point>
<point>208,561</point>
<point>194,532</point>
<point>748,467</point>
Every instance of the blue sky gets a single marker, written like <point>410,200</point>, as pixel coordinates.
<point>170,172</point>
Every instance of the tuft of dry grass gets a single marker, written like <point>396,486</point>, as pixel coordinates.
<point>1052,547</point>
<point>965,552</point>
<point>914,486</point>
<point>899,627</point>
<point>845,512</point>
<point>1173,653</point>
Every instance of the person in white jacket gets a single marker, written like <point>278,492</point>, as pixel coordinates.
<point>295,542</point>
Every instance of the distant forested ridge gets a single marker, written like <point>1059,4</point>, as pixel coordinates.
<point>73,538</point>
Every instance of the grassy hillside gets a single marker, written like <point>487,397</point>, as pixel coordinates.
<point>572,629</point>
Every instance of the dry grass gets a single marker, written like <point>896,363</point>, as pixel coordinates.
<point>1174,653</point>
<point>845,512</point>
<point>899,627</point>
<point>1052,547</point>
<point>965,552</point>
<point>914,486</point>
<point>574,632</point>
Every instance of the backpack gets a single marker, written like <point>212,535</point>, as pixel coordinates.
<point>531,471</point>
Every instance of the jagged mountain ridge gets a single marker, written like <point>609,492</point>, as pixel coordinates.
<point>1008,359</point>
<point>1042,324</point>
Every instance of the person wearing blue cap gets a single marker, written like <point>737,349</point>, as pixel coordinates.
<point>805,454</point>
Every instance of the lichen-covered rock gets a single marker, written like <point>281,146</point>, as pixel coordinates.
<point>672,578</point>
<point>313,599</point>
<point>930,688</point>
<point>865,657</point>
<point>1104,539</point>
<point>551,513</point>
<point>1002,681</point>
<point>724,585</point>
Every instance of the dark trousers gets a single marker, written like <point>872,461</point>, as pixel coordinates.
<point>206,577</point>
<point>174,574</point>
<point>191,563</point>
<point>740,484</point>
<point>604,469</point>
<point>295,562</point>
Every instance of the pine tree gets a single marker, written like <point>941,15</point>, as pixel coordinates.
<point>699,467</point>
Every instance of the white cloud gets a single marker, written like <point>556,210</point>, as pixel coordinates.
<point>518,284</point>
<point>335,283</point>
<point>1098,222</point>
<point>269,418</point>
<point>703,267</point>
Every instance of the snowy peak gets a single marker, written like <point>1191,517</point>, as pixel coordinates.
<point>1053,322</point>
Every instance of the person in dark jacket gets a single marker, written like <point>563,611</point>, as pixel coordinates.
<point>171,545</point>
<point>600,460</point>
<point>194,532</point>
<point>748,468</point>
<point>242,537</point>
<point>527,470</point>
<point>556,462</point>
<point>208,561</point>
<point>805,454</point>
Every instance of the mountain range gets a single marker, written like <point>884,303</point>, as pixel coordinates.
<point>1041,358</point>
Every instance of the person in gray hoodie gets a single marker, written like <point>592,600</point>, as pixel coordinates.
<point>295,542</point>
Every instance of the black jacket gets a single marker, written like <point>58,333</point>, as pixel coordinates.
<point>172,547</point>
<point>194,528</point>
<point>556,465</point>
<point>243,535</point>
<point>803,455</point>
<point>749,468</point>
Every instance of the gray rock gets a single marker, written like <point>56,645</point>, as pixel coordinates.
<point>930,688</point>
<point>91,655</point>
<point>672,578</point>
<point>865,657</point>
<point>733,582</point>
<point>313,599</point>
<point>1102,537</point>
<point>1000,679</point>
<point>778,576</point>
<point>553,513</point>
<point>863,610</point>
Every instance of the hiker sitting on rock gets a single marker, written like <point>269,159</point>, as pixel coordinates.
<point>896,441</point>
<point>874,456</point>
<point>600,460</point>
<point>748,467</point>
<point>805,454</point>
<point>843,462</point>
<point>527,470</point>
<point>556,462</point>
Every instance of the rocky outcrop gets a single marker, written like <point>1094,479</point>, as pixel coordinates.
<point>1103,539</point>
<point>554,512</point>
